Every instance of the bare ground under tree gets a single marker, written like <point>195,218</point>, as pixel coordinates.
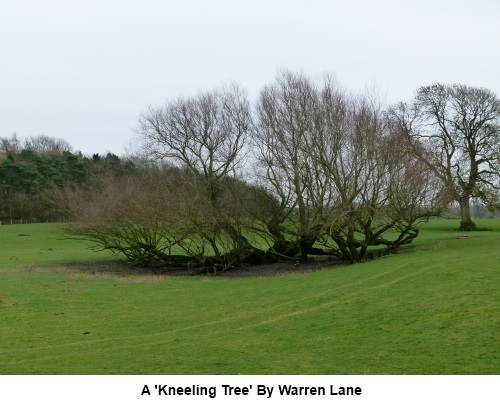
<point>123,268</point>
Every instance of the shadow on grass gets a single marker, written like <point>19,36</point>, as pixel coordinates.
<point>125,269</point>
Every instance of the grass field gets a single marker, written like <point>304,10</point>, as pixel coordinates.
<point>433,309</point>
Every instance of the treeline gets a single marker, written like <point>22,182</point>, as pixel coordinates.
<point>35,175</point>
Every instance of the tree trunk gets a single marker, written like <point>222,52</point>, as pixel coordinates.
<point>466,223</point>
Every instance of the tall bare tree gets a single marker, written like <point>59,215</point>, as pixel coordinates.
<point>327,157</point>
<point>288,115</point>
<point>455,131</point>
<point>206,135</point>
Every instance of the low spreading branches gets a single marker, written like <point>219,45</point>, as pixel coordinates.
<point>333,174</point>
<point>331,162</point>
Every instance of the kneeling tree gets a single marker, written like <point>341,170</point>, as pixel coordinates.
<point>329,177</point>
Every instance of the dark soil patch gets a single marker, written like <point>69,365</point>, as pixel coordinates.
<point>281,269</point>
<point>244,270</point>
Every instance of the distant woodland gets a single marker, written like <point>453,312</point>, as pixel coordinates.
<point>36,173</point>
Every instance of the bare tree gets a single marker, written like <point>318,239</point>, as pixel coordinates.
<point>205,135</point>
<point>44,144</point>
<point>327,158</point>
<point>9,145</point>
<point>455,131</point>
<point>332,180</point>
<point>288,114</point>
<point>357,170</point>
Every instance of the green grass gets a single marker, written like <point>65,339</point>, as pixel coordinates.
<point>432,309</point>
<point>42,244</point>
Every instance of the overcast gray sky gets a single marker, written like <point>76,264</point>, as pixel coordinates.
<point>84,70</point>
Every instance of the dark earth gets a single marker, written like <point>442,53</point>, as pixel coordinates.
<point>262,270</point>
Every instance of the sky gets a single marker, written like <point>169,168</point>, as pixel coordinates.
<point>84,70</point>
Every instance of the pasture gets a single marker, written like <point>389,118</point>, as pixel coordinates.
<point>434,308</point>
